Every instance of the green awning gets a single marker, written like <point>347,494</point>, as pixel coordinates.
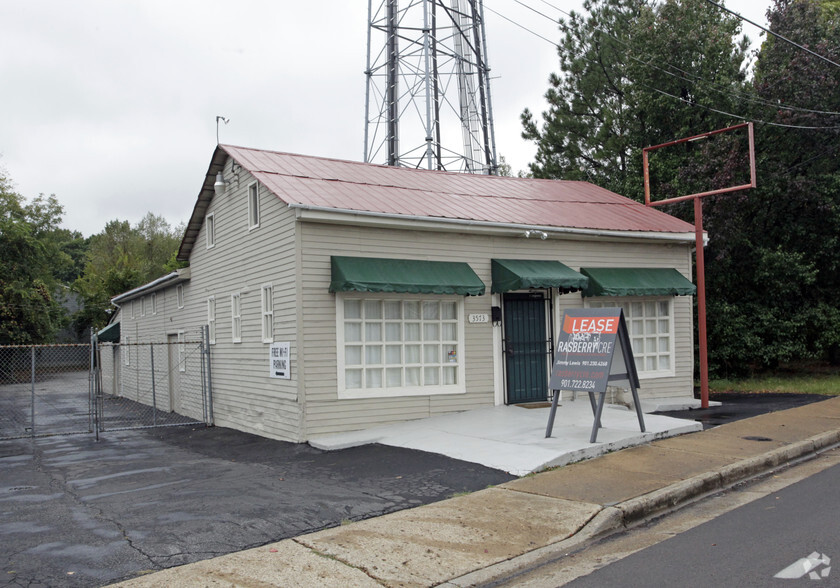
<point>375,274</point>
<point>110,334</point>
<point>636,281</point>
<point>520,274</point>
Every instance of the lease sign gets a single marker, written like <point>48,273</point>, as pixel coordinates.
<point>585,348</point>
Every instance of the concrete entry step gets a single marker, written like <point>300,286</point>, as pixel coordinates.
<point>512,438</point>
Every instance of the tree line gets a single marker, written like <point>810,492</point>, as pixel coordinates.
<point>638,73</point>
<point>55,284</point>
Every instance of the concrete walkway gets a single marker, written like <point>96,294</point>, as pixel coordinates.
<point>512,438</point>
<point>489,535</point>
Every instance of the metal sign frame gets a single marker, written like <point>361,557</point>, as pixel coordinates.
<point>698,232</point>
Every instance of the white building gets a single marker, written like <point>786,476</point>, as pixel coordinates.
<point>405,293</point>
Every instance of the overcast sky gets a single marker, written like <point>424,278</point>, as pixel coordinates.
<point>112,105</point>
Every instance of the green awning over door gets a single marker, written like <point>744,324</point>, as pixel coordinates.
<point>376,274</point>
<point>521,274</point>
<point>110,334</point>
<point>636,281</point>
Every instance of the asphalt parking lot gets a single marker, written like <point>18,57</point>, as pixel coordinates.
<point>736,406</point>
<point>76,512</point>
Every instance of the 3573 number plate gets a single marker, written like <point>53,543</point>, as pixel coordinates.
<point>478,318</point>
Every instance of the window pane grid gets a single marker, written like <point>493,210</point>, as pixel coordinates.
<point>267,314</point>
<point>649,325</point>
<point>211,319</point>
<point>253,206</point>
<point>236,317</point>
<point>394,343</point>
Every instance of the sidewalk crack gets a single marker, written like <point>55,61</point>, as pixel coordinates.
<point>335,558</point>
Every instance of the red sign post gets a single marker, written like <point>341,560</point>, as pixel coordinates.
<point>699,241</point>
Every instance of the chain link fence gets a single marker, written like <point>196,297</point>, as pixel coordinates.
<point>98,387</point>
<point>153,384</point>
<point>45,390</point>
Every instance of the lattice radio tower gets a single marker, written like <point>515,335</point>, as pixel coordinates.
<point>427,80</point>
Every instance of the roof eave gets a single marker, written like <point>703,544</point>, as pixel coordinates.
<point>205,196</point>
<point>171,279</point>
<point>392,220</point>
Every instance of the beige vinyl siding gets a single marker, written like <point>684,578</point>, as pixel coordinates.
<point>135,380</point>
<point>245,397</point>
<point>325,413</point>
<point>111,364</point>
<point>606,254</point>
<point>294,257</point>
<point>578,253</point>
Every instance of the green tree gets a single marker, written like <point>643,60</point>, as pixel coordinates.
<point>774,250</point>
<point>31,260</point>
<point>632,74</point>
<point>121,258</point>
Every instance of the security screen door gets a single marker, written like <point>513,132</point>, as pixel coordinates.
<point>526,348</point>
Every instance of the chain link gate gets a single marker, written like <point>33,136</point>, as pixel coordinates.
<point>98,387</point>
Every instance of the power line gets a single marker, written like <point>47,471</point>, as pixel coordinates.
<point>738,116</point>
<point>532,9</point>
<point>713,86</point>
<point>768,31</point>
<point>521,26</point>
<point>753,99</point>
<point>697,78</point>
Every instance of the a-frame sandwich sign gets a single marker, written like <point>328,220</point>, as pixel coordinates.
<point>585,360</point>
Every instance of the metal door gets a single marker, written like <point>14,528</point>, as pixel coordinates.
<point>526,348</point>
<point>174,373</point>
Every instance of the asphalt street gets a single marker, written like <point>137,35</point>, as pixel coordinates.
<point>791,533</point>
<point>74,512</point>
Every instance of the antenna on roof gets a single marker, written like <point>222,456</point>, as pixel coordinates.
<point>224,120</point>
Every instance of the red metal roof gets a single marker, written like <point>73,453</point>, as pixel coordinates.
<point>318,182</point>
<point>347,185</point>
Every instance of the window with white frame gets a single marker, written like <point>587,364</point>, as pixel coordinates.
<point>211,319</point>
<point>650,324</point>
<point>179,295</point>
<point>182,352</point>
<point>142,306</point>
<point>133,308</point>
<point>267,313</point>
<point>153,302</point>
<point>395,346</point>
<point>253,205</point>
<point>236,317</point>
<point>210,230</point>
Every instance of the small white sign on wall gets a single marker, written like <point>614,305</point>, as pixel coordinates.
<point>279,361</point>
<point>478,318</point>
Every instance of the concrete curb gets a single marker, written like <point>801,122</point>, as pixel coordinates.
<point>604,523</point>
<point>614,519</point>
